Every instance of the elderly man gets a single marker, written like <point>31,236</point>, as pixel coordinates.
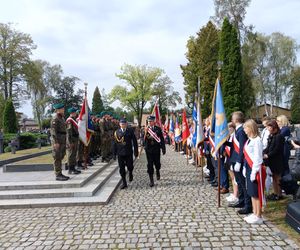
<point>124,141</point>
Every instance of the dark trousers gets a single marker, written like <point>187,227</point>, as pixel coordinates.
<point>125,160</point>
<point>153,158</point>
<point>224,175</point>
<point>244,198</point>
<point>210,167</point>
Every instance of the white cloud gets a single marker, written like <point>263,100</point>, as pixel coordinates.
<point>91,39</point>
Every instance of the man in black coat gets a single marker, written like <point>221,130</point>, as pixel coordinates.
<point>154,141</point>
<point>124,144</point>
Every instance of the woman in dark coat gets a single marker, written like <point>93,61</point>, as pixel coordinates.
<point>273,157</point>
<point>285,131</point>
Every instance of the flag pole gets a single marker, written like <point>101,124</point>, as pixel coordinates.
<point>85,147</point>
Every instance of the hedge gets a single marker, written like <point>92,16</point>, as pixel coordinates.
<point>27,140</point>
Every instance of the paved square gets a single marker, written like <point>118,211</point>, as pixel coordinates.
<point>178,213</point>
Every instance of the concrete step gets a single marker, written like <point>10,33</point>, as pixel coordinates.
<point>87,190</point>
<point>75,181</point>
<point>101,197</point>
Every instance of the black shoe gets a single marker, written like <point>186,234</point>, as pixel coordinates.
<point>62,177</point>
<point>236,205</point>
<point>79,164</point>
<point>130,177</point>
<point>158,175</point>
<point>90,164</point>
<point>245,211</point>
<point>74,171</point>
<point>151,181</point>
<point>214,184</point>
<point>123,186</point>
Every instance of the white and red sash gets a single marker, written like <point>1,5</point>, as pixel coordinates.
<point>260,176</point>
<point>227,148</point>
<point>70,119</point>
<point>236,144</point>
<point>153,134</point>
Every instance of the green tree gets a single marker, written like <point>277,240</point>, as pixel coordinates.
<point>164,92</point>
<point>10,123</point>
<point>232,70</point>
<point>15,51</point>
<point>2,105</point>
<point>140,80</point>
<point>65,92</point>
<point>97,104</point>
<point>235,12</point>
<point>295,91</point>
<point>202,57</point>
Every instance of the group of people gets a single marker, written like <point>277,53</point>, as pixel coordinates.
<point>112,139</point>
<point>247,159</point>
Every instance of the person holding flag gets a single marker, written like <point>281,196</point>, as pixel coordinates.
<point>185,131</point>
<point>153,143</point>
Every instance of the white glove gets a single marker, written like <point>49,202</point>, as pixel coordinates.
<point>252,176</point>
<point>237,167</point>
<point>231,167</point>
<point>244,172</point>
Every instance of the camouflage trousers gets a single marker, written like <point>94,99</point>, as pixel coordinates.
<point>58,156</point>
<point>72,153</point>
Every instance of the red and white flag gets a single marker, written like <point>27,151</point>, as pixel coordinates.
<point>156,113</point>
<point>84,124</point>
<point>185,128</point>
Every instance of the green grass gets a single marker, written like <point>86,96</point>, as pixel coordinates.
<point>44,159</point>
<point>275,212</point>
<point>9,155</point>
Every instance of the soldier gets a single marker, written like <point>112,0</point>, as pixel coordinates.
<point>72,141</point>
<point>154,141</point>
<point>124,139</point>
<point>58,140</point>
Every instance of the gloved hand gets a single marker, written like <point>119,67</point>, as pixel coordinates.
<point>244,172</point>
<point>164,151</point>
<point>252,176</point>
<point>231,167</point>
<point>237,167</point>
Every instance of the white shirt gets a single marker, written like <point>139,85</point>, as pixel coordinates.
<point>254,148</point>
<point>264,137</point>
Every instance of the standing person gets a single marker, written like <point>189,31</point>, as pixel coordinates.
<point>72,140</point>
<point>237,159</point>
<point>58,140</point>
<point>273,157</point>
<point>283,124</point>
<point>154,141</point>
<point>255,172</point>
<point>124,140</point>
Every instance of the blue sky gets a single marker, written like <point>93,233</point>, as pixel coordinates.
<point>92,39</point>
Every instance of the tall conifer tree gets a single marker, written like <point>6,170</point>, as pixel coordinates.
<point>97,103</point>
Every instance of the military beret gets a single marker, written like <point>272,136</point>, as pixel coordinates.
<point>123,120</point>
<point>151,118</point>
<point>72,110</point>
<point>58,106</point>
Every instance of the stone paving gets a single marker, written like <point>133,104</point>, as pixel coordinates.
<point>178,213</point>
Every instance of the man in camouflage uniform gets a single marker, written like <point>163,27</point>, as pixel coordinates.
<point>72,141</point>
<point>105,140</point>
<point>58,140</point>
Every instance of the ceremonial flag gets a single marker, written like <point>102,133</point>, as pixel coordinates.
<point>166,126</point>
<point>219,121</point>
<point>85,127</point>
<point>177,131</point>
<point>195,120</point>
<point>185,128</point>
<point>156,113</point>
<point>171,129</point>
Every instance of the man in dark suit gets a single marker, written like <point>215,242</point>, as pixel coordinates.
<point>154,141</point>
<point>124,144</point>
<point>237,160</point>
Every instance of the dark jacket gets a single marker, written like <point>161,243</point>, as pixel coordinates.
<point>286,133</point>
<point>151,144</point>
<point>125,142</point>
<point>274,151</point>
<point>242,138</point>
